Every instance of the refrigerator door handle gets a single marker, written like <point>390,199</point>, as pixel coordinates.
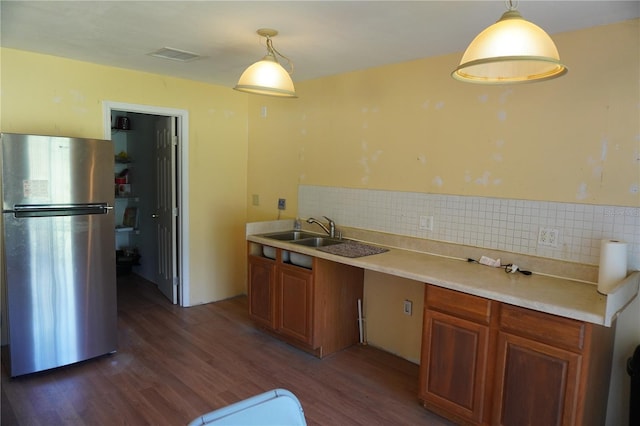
<point>48,210</point>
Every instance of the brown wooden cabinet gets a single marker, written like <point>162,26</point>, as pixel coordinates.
<point>455,349</point>
<point>295,302</point>
<point>485,362</point>
<point>550,369</point>
<point>313,309</point>
<point>537,383</point>
<point>261,290</point>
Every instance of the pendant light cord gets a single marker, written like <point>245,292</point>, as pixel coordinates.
<point>510,4</point>
<point>272,50</point>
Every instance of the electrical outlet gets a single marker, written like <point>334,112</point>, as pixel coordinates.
<point>282,204</point>
<point>426,223</point>
<point>548,237</point>
<point>255,199</point>
<point>407,307</point>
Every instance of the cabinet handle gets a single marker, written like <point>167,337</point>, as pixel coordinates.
<point>155,215</point>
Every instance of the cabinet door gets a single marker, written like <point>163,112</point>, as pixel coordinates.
<point>295,304</point>
<point>261,291</point>
<point>536,384</point>
<point>453,366</point>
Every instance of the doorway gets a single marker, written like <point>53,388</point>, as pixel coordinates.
<point>158,138</point>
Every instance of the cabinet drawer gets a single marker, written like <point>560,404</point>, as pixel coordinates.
<point>546,328</point>
<point>453,302</point>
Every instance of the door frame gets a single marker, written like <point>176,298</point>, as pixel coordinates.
<point>182,175</point>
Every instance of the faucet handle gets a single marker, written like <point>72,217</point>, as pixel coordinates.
<point>332,227</point>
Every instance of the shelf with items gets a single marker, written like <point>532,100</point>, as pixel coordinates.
<point>122,157</point>
<point>122,123</point>
<point>122,173</point>
<point>126,201</point>
<point>123,191</point>
<point>129,220</point>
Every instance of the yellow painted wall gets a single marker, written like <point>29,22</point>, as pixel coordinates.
<point>411,127</point>
<point>394,331</point>
<point>51,95</point>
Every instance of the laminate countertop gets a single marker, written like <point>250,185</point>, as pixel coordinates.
<point>554,295</point>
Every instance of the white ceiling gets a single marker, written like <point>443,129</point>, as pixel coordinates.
<point>321,37</point>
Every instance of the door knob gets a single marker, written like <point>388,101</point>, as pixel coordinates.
<point>155,215</point>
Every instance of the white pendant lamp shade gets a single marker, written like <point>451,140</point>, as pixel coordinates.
<point>512,50</point>
<point>267,76</point>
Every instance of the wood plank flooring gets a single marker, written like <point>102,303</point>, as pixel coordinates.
<point>174,364</point>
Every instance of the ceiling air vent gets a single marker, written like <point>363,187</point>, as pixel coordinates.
<point>175,54</point>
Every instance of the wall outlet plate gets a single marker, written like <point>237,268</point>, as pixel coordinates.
<point>407,307</point>
<point>426,223</point>
<point>282,204</point>
<point>548,237</point>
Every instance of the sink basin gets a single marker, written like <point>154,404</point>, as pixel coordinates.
<point>303,260</point>
<point>290,235</point>
<point>317,242</point>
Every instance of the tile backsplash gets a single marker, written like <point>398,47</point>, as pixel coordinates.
<point>572,232</point>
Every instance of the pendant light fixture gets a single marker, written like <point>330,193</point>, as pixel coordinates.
<point>267,76</point>
<point>513,50</point>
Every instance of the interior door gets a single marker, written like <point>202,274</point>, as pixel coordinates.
<point>166,211</point>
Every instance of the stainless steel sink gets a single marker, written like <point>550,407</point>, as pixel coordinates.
<point>317,242</point>
<point>290,235</point>
<point>308,239</point>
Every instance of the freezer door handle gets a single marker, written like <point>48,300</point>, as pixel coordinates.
<point>48,210</point>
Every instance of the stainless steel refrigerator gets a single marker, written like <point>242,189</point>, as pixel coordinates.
<point>59,250</point>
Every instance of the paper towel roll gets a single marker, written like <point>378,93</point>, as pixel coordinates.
<point>613,265</point>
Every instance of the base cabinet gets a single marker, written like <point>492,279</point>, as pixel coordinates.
<point>485,362</point>
<point>535,382</point>
<point>295,302</point>
<point>456,360</point>
<point>261,290</point>
<point>313,309</point>
<point>455,348</point>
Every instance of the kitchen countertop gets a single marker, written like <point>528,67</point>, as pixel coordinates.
<point>554,295</point>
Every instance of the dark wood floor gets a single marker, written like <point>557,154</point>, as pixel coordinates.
<point>174,364</point>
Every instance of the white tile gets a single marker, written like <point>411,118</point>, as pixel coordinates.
<point>479,221</point>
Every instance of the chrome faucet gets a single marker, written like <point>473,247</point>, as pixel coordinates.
<point>332,226</point>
